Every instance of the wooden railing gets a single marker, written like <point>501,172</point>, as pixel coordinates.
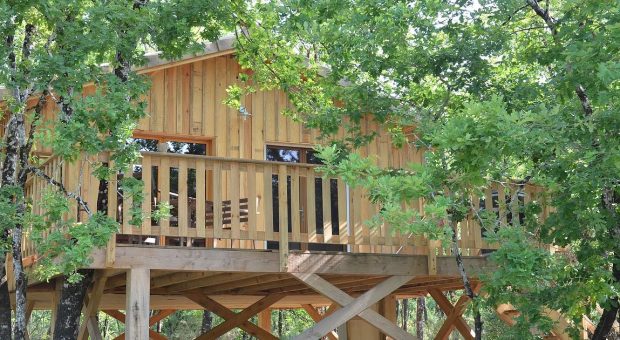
<point>239,203</point>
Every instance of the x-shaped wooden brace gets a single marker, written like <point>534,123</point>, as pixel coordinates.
<point>352,307</point>
<point>152,320</point>
<point>314,314</point>
<point>235,319</point>
<point>454,314</point>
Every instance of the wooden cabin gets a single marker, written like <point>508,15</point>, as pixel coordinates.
<point>253,225</point>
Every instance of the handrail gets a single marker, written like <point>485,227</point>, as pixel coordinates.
<point>228,159</point>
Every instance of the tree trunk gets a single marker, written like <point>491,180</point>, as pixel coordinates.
<point>5,306</point>
<point>207,321</point>
<point>419,317</point>
<point>69,307</point>
<point>466,284</point>
<point>280,321</point>
<point>16,140</point>
<point>609,313</point>
<point>405,311</point>
<point>606,322</point>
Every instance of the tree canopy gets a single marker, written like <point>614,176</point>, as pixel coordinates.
<point>504,92</point>
<point>50,51</point>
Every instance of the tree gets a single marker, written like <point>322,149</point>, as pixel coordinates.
<point>510,92</point>
<point>50,51</point>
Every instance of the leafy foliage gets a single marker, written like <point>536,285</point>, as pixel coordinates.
<point>503,92</point>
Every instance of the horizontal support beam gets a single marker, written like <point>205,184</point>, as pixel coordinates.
<point>252,261</point>
<point>43,301</point>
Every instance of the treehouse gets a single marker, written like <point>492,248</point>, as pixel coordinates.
<point>253,226</point>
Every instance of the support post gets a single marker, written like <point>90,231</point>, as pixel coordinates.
<point>137,304</point>
<point>264,319</point>
<point>387,308</point>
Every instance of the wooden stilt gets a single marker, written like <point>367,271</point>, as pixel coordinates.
<point>264,319</point>
<point>137,304</point>
<point>314,314</point>
<point>29,308</point>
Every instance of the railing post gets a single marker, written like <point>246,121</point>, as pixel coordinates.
<point>282,207</point>
<point>433,245</point>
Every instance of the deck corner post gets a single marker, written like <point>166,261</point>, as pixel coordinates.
<point>137,304</point>
<point>110,253</point>
<point>433,245</point>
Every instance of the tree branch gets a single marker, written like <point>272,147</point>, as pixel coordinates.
<point>585,101</point>
<point>62,188</point>
<point>544,14</point>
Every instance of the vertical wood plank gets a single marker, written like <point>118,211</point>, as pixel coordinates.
<point>146,203</point>
<point>476,228</point>
<point>281,129</point>
<point>258,138</point>
<point>233,189</point>
<point>163,180</point>
<point>251,175</point>
<point>127,204</point>
<point>137,304</point>
<point>357,222</point>
<point>221,116</point>
<point>201,198</point>
<point>234,121</point>
<point>183,220</point>
<point>283,198</point>
<point>217,199</point>
<point>270,115</point>
<point>327,210</point>
<point>184,99</point>
<point>196,110</point>
<point>208,121</point>
<point>170,98</point>
<point>157,100</point>
<point>311,206</point>
<point>294,199</point>
<point>268,202</point>
<point>342,213</point>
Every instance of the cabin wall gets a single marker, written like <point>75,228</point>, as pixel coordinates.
<point>187,100</point>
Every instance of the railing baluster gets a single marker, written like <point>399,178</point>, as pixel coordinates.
<point>327,210</point>
<point>311,206</point>
<point>163,181</point>
<point>295,208</point>
<point>182,206</point>
<point>146,202</point>
<point>282,202</point>
<point>127,204</point>
<point>201,198</point>
<point>112,198</point>
<point>251,175</point>
<point>217,199</point>
<point>268,202</point>
<point>234,189</point>
<point>342,213</point>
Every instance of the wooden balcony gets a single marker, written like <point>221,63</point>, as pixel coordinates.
<point>242,231</point>
<point>243,204</point>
